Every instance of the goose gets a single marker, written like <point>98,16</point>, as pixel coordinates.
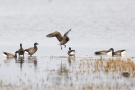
<point>62,39</point>
<point>9,55</point>
<point>20,51</point>
<point>71,52</point>
<point>126,74</point>
<point>32,50</point>
<point>103,52</point>
<point>118,53</point>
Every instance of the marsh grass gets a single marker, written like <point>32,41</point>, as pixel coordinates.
<point>81,74</point>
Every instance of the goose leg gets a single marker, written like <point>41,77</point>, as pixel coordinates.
<point>29,56</point>
<point>61,47</point>
<point>23,56</point>
<point>65,46</point>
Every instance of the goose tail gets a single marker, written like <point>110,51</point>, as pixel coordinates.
<point>4,54</point>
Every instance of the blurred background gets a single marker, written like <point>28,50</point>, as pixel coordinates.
<point>96,24</point>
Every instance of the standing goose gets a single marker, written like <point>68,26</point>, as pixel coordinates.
<point>9,55</point>
<point>20,51</point>
<point>32,50</point>
<point>103,52</point>
<point>62,39</point>
<point>118,53</point>
<point>71,52</point>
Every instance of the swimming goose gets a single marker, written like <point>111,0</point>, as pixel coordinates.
<point>126,74</point>
<point>71,52</point>
<point>32,50</point>
<point>9,55</point>
<point>20,51</point>
<point>62,39</point>
<point>118,53</point>
<point>103,52</point>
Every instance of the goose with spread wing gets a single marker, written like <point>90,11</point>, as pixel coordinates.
<point>62,39</point>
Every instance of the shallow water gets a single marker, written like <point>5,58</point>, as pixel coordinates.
<point>60,73</point>
<point>96,25</point>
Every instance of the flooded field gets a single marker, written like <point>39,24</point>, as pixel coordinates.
<point>95,25</point>
<point>68,73</point>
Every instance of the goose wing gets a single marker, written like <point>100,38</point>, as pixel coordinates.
<point>21,51</point>
<point>55,34</point>
<point>119,52</point>
<point>8,54</point>
<point>30,50</point>
<point>71,52</point>
<point>65,35</point>
<point>102,52</point>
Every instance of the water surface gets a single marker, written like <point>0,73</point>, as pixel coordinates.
<point>95,25</point>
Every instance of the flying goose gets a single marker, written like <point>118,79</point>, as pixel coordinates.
<point>9,55</point>
<point>118,53</point>
<point>32,50</point>
<point>20,51</point>
<point>62,39</point>
<point>71,52</point>
<point>103,52</point>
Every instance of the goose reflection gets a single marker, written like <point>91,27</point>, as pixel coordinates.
<point>62,68</point>
<point>60,75</point>
<point>6,60</point>
<point>32,59</point>
<point>71,60</point>
<point>19,60</point>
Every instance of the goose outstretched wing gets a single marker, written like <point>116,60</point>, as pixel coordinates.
<point>55,34</point>
<point>65,35</point>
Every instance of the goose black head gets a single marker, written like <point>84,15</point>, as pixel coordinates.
<point>16,52</point>
<point>20,45</point>
<point>111,49</point>
<point>67,39</point>
<point>36,43</point>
